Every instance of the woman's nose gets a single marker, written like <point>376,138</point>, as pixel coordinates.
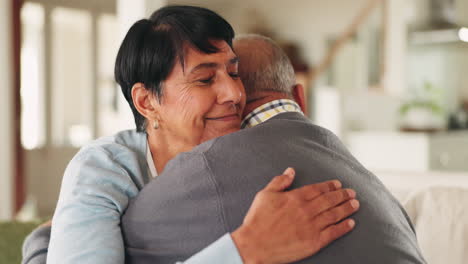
<point>231,91</point>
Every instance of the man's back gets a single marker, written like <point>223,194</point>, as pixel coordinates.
<point>213,186</point>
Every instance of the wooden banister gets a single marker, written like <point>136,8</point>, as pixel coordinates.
<point>343,39</point>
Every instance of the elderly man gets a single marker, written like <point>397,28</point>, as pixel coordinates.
<point>213,186</point>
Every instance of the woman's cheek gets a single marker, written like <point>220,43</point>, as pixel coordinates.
<point>192,119</point>
<point>184,106</point>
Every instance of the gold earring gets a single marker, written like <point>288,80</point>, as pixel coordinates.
<point>156,124</point>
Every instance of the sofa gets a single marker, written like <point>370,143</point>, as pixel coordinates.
<point>12,235</point>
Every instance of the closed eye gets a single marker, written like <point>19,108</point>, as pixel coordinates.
<point>234,75</point>
<point>206,81</point>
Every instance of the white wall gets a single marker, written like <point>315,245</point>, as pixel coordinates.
<point>44,179</point>
<point>396,48</point>
<point>130,11</point>
<point>313,23</point>
<point>6,112</point>
<point>308,23</point>
<point>462,10</point>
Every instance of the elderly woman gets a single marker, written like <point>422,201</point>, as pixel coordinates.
<point>178,72</point>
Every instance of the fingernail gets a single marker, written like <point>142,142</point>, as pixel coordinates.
<point>354,204</point>
<point>289,172</point>
<point>351,193</point>
<point>351,223</point>
<point>337,184</point>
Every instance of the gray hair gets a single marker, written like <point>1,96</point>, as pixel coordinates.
<point>263,65</point>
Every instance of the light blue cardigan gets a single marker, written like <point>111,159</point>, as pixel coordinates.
<point>96,188</point>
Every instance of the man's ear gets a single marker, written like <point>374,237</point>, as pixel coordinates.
<point>299,97</point>
<point>144,101</point>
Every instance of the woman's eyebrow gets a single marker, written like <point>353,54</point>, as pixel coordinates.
<point>211,65</point>
<point>204,66</point>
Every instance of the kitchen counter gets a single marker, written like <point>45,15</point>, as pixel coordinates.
<point>415,151</point>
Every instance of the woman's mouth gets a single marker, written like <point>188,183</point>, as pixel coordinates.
<point>230,117</point>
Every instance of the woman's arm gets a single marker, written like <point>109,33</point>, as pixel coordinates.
<point>86,225</point>
<point>226,250</point>
<point>96,191</point>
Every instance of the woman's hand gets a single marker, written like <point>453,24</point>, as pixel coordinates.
<point>282,227</point>
<point>47,223</point>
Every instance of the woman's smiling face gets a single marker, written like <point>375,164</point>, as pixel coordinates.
<point>204,99</point>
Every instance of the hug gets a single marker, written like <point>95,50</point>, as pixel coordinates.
<point>202,178</point>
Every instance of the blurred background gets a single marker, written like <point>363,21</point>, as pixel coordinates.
<point>389,77</point>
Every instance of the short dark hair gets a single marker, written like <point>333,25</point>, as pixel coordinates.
<point>151,47</point>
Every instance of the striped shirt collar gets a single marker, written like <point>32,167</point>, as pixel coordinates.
<point>269,110</point>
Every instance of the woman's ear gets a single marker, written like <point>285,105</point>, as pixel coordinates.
<point>144,101</point>
<point>298,94</point>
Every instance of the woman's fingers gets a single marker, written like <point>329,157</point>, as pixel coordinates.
<point>310,192</point>
<point>48,223</point>
<point>329,200</point>
<point>281,182</point>
<point>334,232</point>
<point>338,213</point>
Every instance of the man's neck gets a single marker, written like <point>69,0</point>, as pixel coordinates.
<point>269,110</point>
<point>258,99</point>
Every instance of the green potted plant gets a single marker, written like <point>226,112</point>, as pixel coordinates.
<point>424,110</point>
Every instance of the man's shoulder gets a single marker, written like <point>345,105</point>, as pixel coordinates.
<point>281,128</point>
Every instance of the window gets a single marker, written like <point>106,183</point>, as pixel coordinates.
<point>32,76</point>
<point>68,92</point>
<point>72,84</point>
